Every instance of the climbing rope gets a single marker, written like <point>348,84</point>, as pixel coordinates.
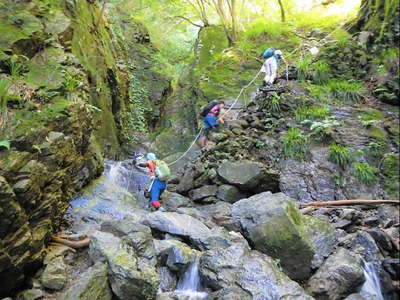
<point>227,111</point>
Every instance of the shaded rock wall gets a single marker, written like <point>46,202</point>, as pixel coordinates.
<point>36,185</point>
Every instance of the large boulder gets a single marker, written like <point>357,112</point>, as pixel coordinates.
<point>177,224</point>
<point>275,227</point>
<point>254,273</point>
<point>130,276</point>
<point>92,284</point>
<point>339,276</point>
<point>244,174</point>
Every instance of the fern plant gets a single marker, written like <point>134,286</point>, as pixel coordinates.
<point>365,173</point>
<point>311,112</point>
<point>4,96</point>
<point>343,90</point>
<point>339,154</point>
<point>322,129</point>
<point>274,102</point>
<point>303,68</point>
<point>295,144</point>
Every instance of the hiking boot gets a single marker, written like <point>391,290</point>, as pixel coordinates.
<point>162,209</point>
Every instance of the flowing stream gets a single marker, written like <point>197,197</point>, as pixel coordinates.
<point>189,284</point>
<point>116,194</point>
<point>371,286</point>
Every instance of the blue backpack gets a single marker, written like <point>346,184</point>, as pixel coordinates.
<point>268,53</point>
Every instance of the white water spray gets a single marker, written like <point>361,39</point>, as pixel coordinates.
<point>371,286</point>
<point>189,284</point>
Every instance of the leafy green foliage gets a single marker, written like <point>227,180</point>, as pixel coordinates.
<point>365,173</point>
<point>70,83</point>
<point>134,118</point>
<point>259,144</point>
<point>269,29</point>
<point>319,92</point>
<point>295,144</point>
<point>322,129</point>
<point>311,112</point>
<point>304,68</point>
<point>339,154</point>
<point>390,166</point>
<point>341,36</point>
<point>5,144</point>
<point>343,90</point>
<point>4,96</point>
<point>321,71</point>
<point>274,102</point>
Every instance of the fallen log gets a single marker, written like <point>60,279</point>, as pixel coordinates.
<point>72,244</point>
<point>350,202</point>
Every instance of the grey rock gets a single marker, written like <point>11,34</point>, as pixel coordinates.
<point>22,186</point>
<point>174,201</point>
<point>167,280</point>
<point>130,276</point>
<point>229,293</point>
<point>392,266</point>
<point>254,272</point>
<point>137,236</point>
<point>275,227</point>
<point>381,238</point>
<point>229,193</point>
<point>342,223</point>
<point>175,223</point>
<point>54,276</point>
<point>388,212</point>
<point>339,276</point>
<point>371,221</point>
<point>203,192</point>
<point>220,213</point>
<point>187,181</point>
<point>55,136</point>
<point>92,284</point>
<point>31,294</point>
<point>219,238</point>
<point>178,256</point>
<point>363,244</point>
<point>244,174</point>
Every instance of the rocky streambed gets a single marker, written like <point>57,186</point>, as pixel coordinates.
<point>256,247</point>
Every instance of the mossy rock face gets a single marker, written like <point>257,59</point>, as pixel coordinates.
<point>45,69</point>
<point>277,229</point>
<point>16,23</point>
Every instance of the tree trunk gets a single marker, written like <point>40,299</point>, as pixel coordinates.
<point>283,18</point>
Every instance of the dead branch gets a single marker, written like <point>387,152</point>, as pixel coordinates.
<point>350,202</point>
<point>73,244</point>
<point>54,244</point>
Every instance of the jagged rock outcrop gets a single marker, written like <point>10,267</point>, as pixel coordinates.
<point>36,187</point>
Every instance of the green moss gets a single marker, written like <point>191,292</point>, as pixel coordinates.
<point>45,69</point>
<point>16,26</point>
<point>32,120</point>
<point>377,132</point>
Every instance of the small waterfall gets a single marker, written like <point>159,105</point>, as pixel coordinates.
<point>189,284</point>
<point>371,286</point>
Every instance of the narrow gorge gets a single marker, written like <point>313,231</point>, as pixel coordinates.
<point>295,196</point>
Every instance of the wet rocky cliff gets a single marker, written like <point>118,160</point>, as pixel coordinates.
<point>73,88</point>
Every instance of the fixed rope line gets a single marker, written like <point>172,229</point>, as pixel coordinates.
<point>201,129</point>
<point>194,141</point>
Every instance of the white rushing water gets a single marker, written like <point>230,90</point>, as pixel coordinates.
<point>189,284</point>
<point>371,286</point>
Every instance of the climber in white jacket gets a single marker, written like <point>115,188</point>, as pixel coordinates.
<point>270,67</point>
